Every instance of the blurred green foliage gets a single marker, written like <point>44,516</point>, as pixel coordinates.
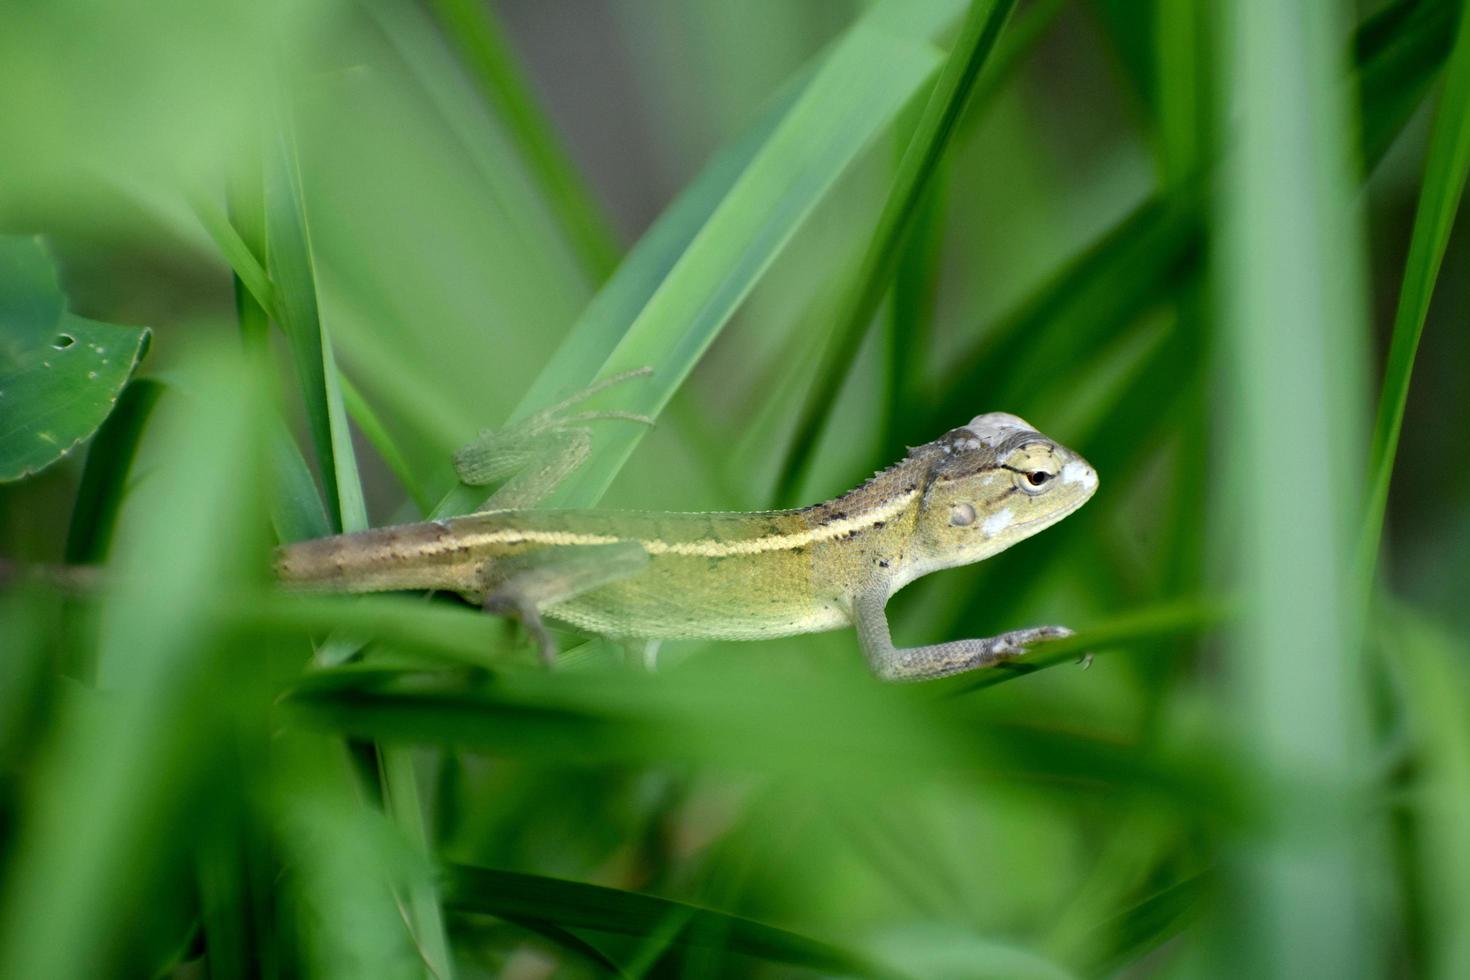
<point>1208,245</point>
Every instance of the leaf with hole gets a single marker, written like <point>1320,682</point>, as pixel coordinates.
<point>60,374</point>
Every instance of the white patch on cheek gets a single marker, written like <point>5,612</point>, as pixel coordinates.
<point>997,522</point>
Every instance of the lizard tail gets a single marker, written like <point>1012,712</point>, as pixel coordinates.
<point>381,560</point>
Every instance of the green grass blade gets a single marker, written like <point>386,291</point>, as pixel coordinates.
<point>957,79</point>
<point>580,906</point>
<point>1132,934</point>
<point>1399,50</point>
<point>1430,664</point>
<point>476,32</point>
<point>292,269</point>
<point>105,479</point>
<point>1445,170</point>
<point>1294,324</point>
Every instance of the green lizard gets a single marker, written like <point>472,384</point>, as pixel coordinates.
<point>632,576</point>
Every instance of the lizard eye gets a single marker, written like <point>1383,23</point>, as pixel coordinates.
<point>1034,481</point>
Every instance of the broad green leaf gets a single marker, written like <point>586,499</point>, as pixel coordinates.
<point>1439,201</point>
<point>59,395</point>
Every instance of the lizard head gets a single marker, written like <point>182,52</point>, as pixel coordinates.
<point>994,482</point>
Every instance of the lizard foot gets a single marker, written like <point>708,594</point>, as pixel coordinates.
<point>1017,643</point>
<point>524,612</point>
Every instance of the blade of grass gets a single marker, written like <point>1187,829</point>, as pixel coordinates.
<point>1436,687</point>
<point>105,477</point>
<point>1126,938</point>
<point>951,94</point>
<point>476,32</point>
<point>1445,170</point>
<point>575,905</point>
<point>1399,51</point>
<point>569,941</point>
<point>292,270</point>
<point>1292,308</point>
<point>1139,626</point>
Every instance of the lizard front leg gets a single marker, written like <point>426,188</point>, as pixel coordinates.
<point>893,663</point>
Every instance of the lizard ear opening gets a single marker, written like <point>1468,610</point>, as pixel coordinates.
<point>962,515</point>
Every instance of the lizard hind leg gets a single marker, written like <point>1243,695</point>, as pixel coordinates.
<point>522,586</point>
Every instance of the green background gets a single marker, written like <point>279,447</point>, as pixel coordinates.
<point>1196,242</point>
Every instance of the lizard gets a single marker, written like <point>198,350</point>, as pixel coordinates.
<point>647,577</point>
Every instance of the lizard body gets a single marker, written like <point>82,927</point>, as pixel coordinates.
<point>740,576</point>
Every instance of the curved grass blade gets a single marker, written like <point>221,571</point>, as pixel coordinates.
<point>569,941</point>
<point>1445,171</point>
<point>580,906</point>
<point>1132,934</point>
<point>1181,618</point>
<point>104,479</point>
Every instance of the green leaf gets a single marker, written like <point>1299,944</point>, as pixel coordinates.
<point>31,302</point>
<point>579,906</point>
<point>1445,170</point>
<point>61,394</point>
